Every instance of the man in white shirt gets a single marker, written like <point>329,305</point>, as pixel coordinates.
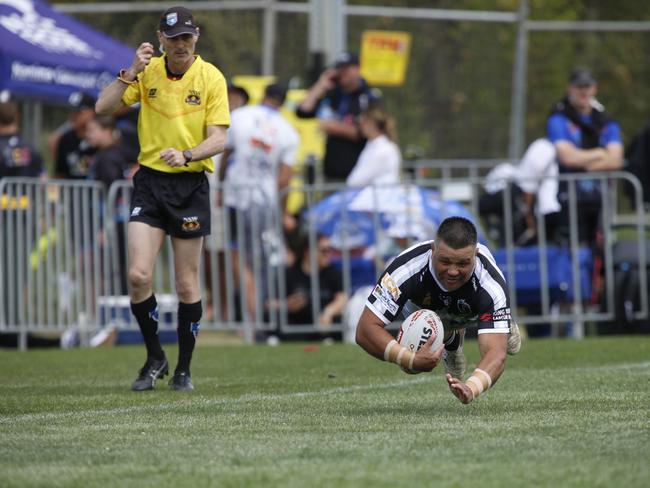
<point>261,149</point>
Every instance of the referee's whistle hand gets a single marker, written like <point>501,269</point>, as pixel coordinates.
<point>173,157</point>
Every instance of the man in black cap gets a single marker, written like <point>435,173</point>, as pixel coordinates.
<point>586,139</point>
<point>182,123</point>
<point>72,153</point>
<point>337,99</point>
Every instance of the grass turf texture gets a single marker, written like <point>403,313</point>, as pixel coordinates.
<point>565,413</point>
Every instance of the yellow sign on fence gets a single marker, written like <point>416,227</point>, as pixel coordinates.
<point>385,56</point>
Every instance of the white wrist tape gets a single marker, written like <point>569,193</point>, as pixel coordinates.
<point>479,382</point>
<point>389,346</point>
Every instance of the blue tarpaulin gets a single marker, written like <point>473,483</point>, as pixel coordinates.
<point>47,55</point>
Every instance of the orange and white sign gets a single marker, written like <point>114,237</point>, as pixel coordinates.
<point>384,57</point>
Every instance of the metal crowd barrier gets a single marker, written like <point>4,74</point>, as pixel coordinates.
<point>63,256</point>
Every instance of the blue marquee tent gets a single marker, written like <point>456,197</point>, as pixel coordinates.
<point>47,55</point>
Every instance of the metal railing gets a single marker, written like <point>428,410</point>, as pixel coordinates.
<point>63,255</point>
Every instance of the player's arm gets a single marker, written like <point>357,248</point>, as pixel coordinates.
<point>493,348</point>
<point>110,99</point>
<point>376,341</point>
<point>213,144</point>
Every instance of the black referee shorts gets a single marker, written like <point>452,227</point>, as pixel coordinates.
<point>178,203</point>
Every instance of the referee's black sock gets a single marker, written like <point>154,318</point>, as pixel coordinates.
<point>189,316</point>
<point>146,313</point>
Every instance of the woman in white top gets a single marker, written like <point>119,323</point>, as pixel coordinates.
<point>379,162</point>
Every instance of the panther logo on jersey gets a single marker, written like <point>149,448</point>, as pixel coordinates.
<point>194,98</point>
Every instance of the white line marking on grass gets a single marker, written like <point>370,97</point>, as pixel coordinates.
<point>222,401</point>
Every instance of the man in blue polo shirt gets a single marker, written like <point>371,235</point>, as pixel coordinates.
<point>586,139</point>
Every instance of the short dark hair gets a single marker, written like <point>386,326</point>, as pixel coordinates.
<point>277,92</point>
<point>457,232</point>
<point>8,113</point>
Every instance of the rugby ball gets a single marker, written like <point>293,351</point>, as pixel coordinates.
<point>418,328</point>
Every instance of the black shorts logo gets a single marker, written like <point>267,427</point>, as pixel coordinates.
<point>194,98</point>
<point>191,224</point>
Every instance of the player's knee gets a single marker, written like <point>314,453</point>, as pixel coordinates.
<point>139,278</point>
<point>186,288</point>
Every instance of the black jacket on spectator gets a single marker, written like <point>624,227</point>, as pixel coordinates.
<point>341,154</point>
<point>18,158</point>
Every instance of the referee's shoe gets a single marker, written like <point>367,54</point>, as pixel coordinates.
<point>150,372</point>
<point>181,381</point>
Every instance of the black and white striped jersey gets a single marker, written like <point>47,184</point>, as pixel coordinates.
<point>409,283</point>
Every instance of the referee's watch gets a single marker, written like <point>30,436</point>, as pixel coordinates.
<point>187,154</point>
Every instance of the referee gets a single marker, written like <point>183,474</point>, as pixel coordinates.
<point>182,124</point>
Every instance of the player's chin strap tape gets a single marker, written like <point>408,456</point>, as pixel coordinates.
<point>397,354</point>
<point>479,382</point>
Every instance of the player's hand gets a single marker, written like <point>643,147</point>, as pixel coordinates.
<point>173,157</point>
<point>459,389</point>
<point>425,359</point>
<point>142,58</point>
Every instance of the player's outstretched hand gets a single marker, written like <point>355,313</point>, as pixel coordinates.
<point>143,56</point>
<point>425,359</point>
<point>459,389</point>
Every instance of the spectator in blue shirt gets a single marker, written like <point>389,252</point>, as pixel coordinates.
<point>586,139</point>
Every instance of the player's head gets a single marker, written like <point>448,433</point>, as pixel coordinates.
<point>237,96</point>
<point>275,94</point>
<point>177,34</point>
<point>454,252</point>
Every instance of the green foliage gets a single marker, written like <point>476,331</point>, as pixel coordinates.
<point>565,413</point>
<point>456,102</point>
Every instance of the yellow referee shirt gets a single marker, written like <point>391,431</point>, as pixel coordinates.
<point>176,113</point>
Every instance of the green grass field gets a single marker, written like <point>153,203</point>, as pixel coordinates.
<point>565,413</point>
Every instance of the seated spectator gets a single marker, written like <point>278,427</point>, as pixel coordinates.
<point>587,140</point>
<point>534,192</point>
<point>379,162</point>
<point>298,287</point>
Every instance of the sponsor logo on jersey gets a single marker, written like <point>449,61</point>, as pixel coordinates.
<point>463,306</point>
<point>193,98</point>
<point>485,317</point>
<point>388,284</point>
<point>152,92</point>
<point>191,224</point>
<point>385,299</point>
<point>136,211</point>
<point>501,314</point>
<point>445,299</point>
